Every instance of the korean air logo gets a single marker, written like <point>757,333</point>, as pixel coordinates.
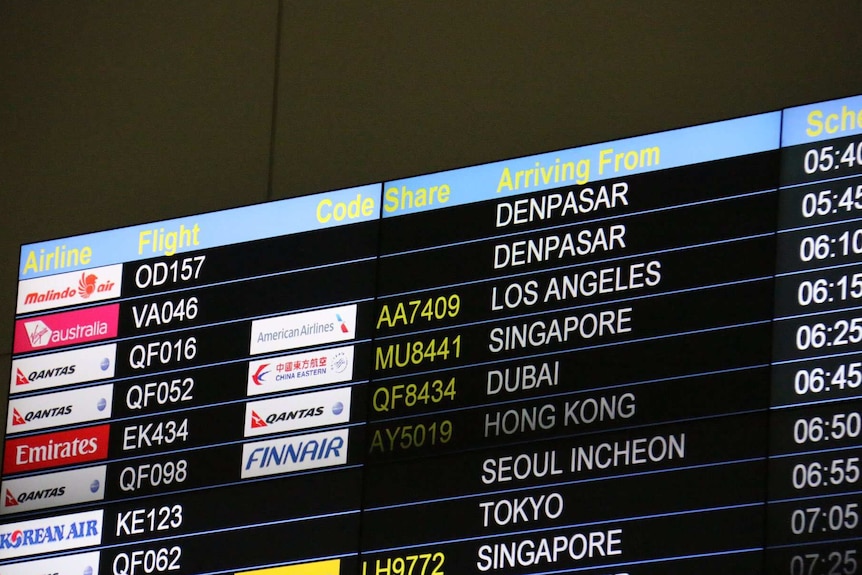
<point>258,376</point>
<point>341,322</point>
<point>38,333</point>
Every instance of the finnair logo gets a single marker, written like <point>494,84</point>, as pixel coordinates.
<point>298,453</point>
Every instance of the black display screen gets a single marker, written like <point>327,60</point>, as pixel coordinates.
<point>634,357</point>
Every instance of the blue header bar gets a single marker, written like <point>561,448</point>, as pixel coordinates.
<point>579,166</point>
<point>822,121</point>
<point>165,238</point>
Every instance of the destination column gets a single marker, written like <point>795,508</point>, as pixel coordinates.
<point>571,363</point>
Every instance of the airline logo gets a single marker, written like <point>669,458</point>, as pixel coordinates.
<point>298,453</point>
<point>51,534</point>
<point>53,490</point>
<point>55,449</point>
<point>56,409</point>
<point>80,564</point>
<point>329,567</point>
<point>295,412</point>
<point>303,329</point>
<point>60,290</point>
<point>63,368</point>
<point>67,328</point>
<point>301,370</point>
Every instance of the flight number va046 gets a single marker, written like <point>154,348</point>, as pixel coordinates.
<point>162,314</point>
<point>160,393</point>
<point>147,561</point>
<point>155,434</point>
<point>149,520</point>
<point>421,564</point>
<point>161,273</point>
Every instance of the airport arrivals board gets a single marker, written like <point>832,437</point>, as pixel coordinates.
<point>636,357</point>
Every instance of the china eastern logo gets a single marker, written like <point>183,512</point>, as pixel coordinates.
<point>66,328</point>
<point>69,289</point>
<point>301,370</point>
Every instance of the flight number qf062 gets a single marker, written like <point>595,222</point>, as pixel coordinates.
<point>410,312</point>
<point>421,564</point>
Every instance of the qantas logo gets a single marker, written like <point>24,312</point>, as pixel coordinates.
<point>256,420</point>
<point>53,489</point>
<point>63,368</point>
<point>257,377</point>
<point>63,408</point>
<point>21,379</point>
<point>18,419</point>
<point>12,501</point>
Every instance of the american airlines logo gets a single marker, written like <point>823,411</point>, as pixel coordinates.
<point>67,328</point>
<point>52,490</point>
<point>51,534</point>
<point>56,409</point>
<point>303,329</point>
<point>297,453</point>
<point>55,449</point>
<point>300,370</point>
<point>78,564</point>
<point>63,368</point>
<point>296,412</point>
<point>72,288</point>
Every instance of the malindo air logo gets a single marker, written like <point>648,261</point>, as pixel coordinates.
<point>53,489</point>
<point>63,368</point>
<point>329,407</point>
<point>295,453</point>
<point>51,534</point>
<point>69,289</point>
<point>63,408</point>
<point>303,329</point>
<point>67,328</point>
<point>300,370</point>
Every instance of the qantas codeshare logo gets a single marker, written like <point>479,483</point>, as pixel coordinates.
<point>66,328</point>
<point>63,368</point>
<point>53,489</point>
